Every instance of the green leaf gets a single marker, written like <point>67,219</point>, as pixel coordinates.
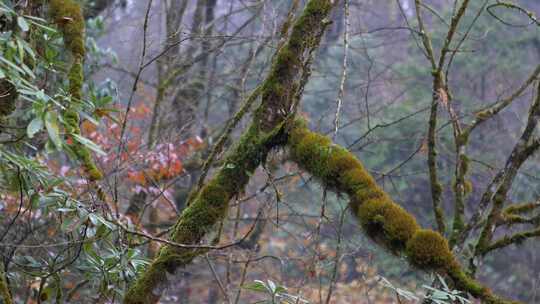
<point>22,24</point>
<point>51,124</point>
<point>35,18</point>
<point>28,48</point>
<point>41,95</point>
<point>12,65</point>
<point>257,286</point>
<point>97,220</point>
<point>89,144</point>
<point>280,289</point>
<point>89,118</point>
<point>20,48</point>
<point>5,8</point>
<point>34,200</point>
<point>272,286</point>
<point>34,126</point>
<point>28,70</point>
<point>65,210</point>
<point>50,54</point>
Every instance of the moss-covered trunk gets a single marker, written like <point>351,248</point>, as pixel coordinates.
<point>210,206</point>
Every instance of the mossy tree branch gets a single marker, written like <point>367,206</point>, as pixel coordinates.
<point>68,16</point>
<point>522,150</point>
<point>438,88</point>
<point>520,214</point>
<point>442,94</point>
<point>508,5</point>
<point>513,219</point>
<point>493,109</point>
<point>459,237</point>
<point>210,205</point>
<point>246,105</point>
<point>517,239</point>
<point>521,208</point>
<point>384,221</point>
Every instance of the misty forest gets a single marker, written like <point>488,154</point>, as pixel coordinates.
<point>270,151</point>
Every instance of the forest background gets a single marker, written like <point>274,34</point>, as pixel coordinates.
<point>163,79</point>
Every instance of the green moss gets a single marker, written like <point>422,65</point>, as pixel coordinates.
<point>67,15</point>
<point>429,250</point>
<point>199,218</point>
<point>217,190</point>
<point>464,164</point>
<point>339,169</point>
<point>312,153</point>
<point>208,207</point>
<point>313,12</point>
<point>341,160</point>
<point>468,186</point>
<point>477,290</point>
<point>369,191</point>
<point>274,89</point>
<point>71,121</point>
<point>437,189</point>
<point>387,222</point>
<point>520,208</point>
<point>93,172</point>
<point>457,227</point>
<point>462,139</point>
<point>155,278</point>
<point>297,132</point>
<point>482,115</point>
<point>357,182</point>
<point>266,131</point>
<point>285,63</point>
<point>320,157</point>
<point>463,281</point>
<point>76,78</point>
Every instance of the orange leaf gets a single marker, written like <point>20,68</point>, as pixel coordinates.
<point>137,177</point>
<point>87,127</point>
<point>132,145</point>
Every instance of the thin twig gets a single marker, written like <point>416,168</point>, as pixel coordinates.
<point>341,92</point>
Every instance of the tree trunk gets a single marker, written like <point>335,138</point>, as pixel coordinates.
<point>265,132</point>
